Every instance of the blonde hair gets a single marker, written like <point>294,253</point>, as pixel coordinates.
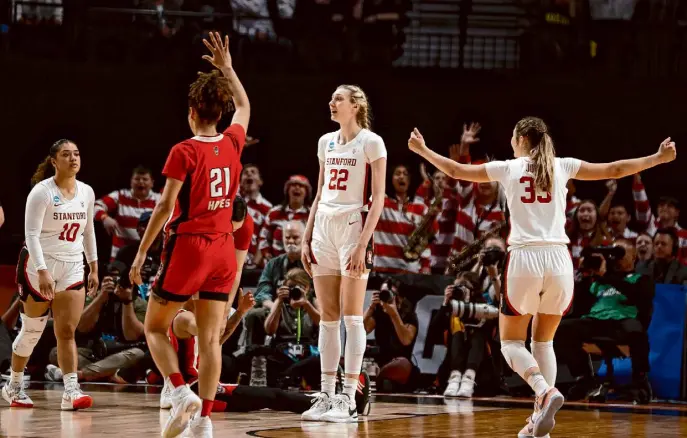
<point>358,97</point>
<point>541,150</point>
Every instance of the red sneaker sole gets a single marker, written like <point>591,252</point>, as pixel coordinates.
<point>83,403</point>
<point>20,405</point>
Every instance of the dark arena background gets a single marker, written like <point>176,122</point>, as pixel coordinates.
<point>607,76</point>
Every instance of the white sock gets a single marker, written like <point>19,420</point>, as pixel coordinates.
<point>356,341</point>
<point>16,377</point>
<point>546,359</point>
<point>69,379</point>
<point>521,361</point>
<point>329,344</point>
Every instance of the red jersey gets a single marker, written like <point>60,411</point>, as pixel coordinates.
<point>244,235</point>
<point>210,168</point>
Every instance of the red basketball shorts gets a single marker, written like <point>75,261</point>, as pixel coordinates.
<point>197,263</point>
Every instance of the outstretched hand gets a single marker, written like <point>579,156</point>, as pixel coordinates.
<point>667,151</point>
<point>416,142</point>
<point>470,134</point>
<point>221,58</point>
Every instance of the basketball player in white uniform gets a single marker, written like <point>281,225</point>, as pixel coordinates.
<point>539,271</point>
<point>337,250</point>
<point>50,273</point>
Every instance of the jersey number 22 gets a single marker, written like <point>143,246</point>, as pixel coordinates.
<point>531,192</point>
<point>338,179</point>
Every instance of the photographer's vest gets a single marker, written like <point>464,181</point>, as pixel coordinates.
<point>610,302</point>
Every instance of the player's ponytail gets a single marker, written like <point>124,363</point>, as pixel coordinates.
<point>543,157</point>
<point>46,168</point>
<point>541,150</point>
<point>42,171</point>
<point>358,97</point>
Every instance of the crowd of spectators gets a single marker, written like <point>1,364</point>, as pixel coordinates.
<point>619,254</point>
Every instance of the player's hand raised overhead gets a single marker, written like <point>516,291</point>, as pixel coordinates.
<point>667,151</point>
<point>221,58</point>
<point>416,142</point>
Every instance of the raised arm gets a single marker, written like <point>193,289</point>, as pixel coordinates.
<point>622,168</point>
<point>467,172</point>
<point>221,59</point>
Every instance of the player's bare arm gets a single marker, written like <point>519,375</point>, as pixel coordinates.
<point>221,59</point>
<point>622,168</point>
<point>246,302</point>
<point>466,172</point>
<point>378,187</point>
<point>307,237</point>
<point>161,213</point>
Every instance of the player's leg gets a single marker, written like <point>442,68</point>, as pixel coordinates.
<point>34,318</point>
<point>327,290</point>
<point>556,298</point>
<point>209,322</point>
<point>67,308</point>
<point>327,279</point>
<point>353,290</point>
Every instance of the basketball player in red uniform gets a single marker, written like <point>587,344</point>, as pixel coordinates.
<point>202,180</point>
<point>539,279</point>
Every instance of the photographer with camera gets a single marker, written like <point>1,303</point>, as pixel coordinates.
<point>393,318</point>
<point>489,267</point>
<point>294,313</point>
<point>127,254</point>
<point>110,333</point>
<point>463,324</point>
<point>611,301</point>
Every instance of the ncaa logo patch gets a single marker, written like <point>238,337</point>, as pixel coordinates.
<point>331,145</point>
<point>56,199</point>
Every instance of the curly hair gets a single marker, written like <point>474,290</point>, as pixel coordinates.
<point>46,169</point>
<point>210,96</point>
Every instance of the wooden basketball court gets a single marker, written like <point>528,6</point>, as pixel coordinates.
<point>126,411</point>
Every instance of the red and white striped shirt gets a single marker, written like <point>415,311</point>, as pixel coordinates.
<point>271,238</point>
<point>258,207</point>
<point>647,220</point>
<point>444,225</point>
<point>396,223</point>
<point>126,210</point>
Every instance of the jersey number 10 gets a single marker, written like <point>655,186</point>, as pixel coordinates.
<point>69,232</point>
<point>219,186</point>
<point>531,192</point>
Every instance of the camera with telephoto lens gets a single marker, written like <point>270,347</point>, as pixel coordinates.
<point>592,262</point>
<point>296,293</point>
<point>474,311</point>
<point>492,256</point>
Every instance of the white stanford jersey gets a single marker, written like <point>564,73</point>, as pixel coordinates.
<point>535,217</point>
<point>345,170</point>
<point>57,227</point>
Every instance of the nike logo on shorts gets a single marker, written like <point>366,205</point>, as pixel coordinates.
<point>354,222</point>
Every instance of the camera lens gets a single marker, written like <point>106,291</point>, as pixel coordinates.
<point>385,296</point>
<point>295,293</point>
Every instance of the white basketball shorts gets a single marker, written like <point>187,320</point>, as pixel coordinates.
<point>538,279</point>
<point>333,241</point>
<point>67,275</point>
